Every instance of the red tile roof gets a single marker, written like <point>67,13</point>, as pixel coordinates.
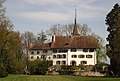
<point>75,42</point>
<point>38,46</point>
<point>69,42</point>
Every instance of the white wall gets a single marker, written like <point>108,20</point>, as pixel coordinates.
<point>68,59</point>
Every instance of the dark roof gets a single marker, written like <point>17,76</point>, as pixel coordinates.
<point>69,42</point>
<point>75,42</point>
<point>41,46</point>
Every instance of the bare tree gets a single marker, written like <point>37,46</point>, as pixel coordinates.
<point>68,29</point>
<point>56,29</point>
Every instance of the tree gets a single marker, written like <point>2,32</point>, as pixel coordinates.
<point>27,40</point>
<point>56,29</point>
<point>42,37</point>
<point>2,9</point>
<point>67,30</point>
<point>113,48</point>
<point>10,53</point>
<point>101,52</point>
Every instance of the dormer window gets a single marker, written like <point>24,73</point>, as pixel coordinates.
<point>66,43</point>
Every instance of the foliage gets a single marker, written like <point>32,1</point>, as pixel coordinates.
<point>2,9</point>
<point>113,48</point>
<point>39,67</point>
<point>3,72</point>
<point>42,37</point>
<point>27,39</point>
<point>101,52</point>
<point>101,67</point>
<point>10,53</point>
<point>68,70</point>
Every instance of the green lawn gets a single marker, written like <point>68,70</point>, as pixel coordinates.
<point>55,78</point>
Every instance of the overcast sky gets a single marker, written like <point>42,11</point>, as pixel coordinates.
<point>37,15</point>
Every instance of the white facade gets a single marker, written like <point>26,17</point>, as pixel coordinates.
<point>75,57</point>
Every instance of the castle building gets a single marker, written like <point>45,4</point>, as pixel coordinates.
<point>67,50</point>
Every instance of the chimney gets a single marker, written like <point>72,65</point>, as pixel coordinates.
<point>53,38</point>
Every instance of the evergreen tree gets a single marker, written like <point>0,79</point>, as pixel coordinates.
<point>113,48</point>
<point>42,37</point>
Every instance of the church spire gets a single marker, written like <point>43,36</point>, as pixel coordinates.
<point>75,30</point>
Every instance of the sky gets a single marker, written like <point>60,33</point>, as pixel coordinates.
<point>37,15</point>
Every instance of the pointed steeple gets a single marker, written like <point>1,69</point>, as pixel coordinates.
<point>75,30</point>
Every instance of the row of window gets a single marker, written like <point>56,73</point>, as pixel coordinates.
<point>61,62</point>
<point>64,50</point>
<point>72,56</point>
<point>59,56</point>
<point>72,50</point>
<point>38,57</point>
<point>81,56</point>
<point>84,50</point>
<point>44,51</point>
<point>71,63</point>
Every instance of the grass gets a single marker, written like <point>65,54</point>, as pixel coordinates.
<point>55,78</point>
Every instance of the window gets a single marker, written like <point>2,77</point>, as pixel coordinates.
<point>67,43</point>
<point>73,50</point>
<point>60,51</point>
<point>54,56</point>
<point>44,51</point>
<point>38,52</point>
<point>63,50</point>
<point>81,56</point>
<point>32,57</point>
<point>59,56</point>
<point>83,62</point>
<point>63,62</point>
<point>37,57</point>
<point>88,56</point>
<point>49,57</point>
<point>74,56</point>
<point>91,50</point>
<point>58,62</point>
<point>63,56</point>
<point>42,56</point>
<point>73,63</point>
<point>85,50</point>
<point>32,52</point>
<point>55,51</point>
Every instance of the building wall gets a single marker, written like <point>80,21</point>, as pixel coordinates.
<point>68,60</point>
<point>38,54</point>
<point>90,61</point>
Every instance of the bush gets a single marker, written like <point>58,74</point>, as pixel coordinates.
<point>39,67</point>
<point>101,67</point>
<point>67,70</point>
<point>3,72</point>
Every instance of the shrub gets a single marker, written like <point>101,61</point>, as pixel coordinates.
<point>67,70</point>
<point>3,72</point>
<point>101,67</point>
<point>39,67</point>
